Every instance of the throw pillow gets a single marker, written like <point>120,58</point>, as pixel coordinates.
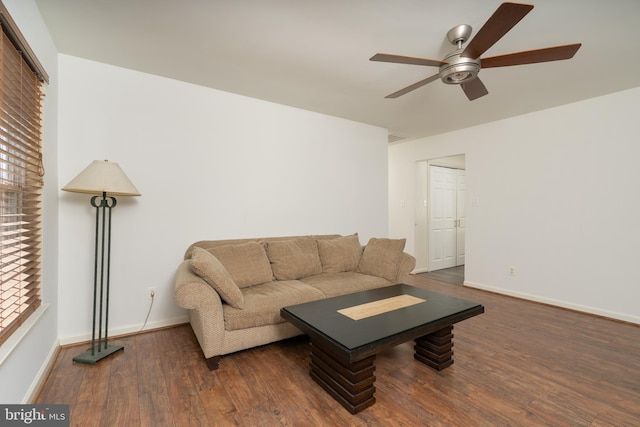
<point>380,257</point>
<point>207,266</point>
<point>247,263</point>
<point>294,259</point>
<point>340,254</point>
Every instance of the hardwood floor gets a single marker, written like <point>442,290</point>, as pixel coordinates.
<point>518,364</point>
<point>453,275</point>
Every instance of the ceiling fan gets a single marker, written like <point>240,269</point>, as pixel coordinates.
<point>462,66</point>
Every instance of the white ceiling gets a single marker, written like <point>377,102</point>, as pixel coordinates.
<point>314,54</point>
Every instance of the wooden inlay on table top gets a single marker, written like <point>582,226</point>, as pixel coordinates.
<point>362,311</point>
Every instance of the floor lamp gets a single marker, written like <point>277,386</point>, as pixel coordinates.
<point>105,180</point>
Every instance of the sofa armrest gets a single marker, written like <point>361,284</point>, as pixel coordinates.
<point>192,292</point>
<point>205,309</point>
<point>406,264</point>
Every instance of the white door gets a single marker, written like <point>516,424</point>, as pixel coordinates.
<point>442,218</point>
<point>447,192</point>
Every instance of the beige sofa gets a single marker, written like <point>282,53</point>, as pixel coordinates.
<point>234,289</point>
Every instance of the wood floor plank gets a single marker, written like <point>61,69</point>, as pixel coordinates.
<point>155,404</point>
<point>90,404</point>
<point>186,404</point>
<point>63,383</point>
<point>518,364</point>
<point>122,405</point>
<point>280,376</point>
<point>453,275</point>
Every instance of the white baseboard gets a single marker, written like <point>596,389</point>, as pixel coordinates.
<point>115,333</point>
<point>42,374</point>
<point>558,303</point>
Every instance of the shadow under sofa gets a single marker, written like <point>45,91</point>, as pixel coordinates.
<point>234,289</point>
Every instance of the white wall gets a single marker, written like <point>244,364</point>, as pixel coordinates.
<point>557,194</point>
<point>24,358</point>
<point>209,165</point>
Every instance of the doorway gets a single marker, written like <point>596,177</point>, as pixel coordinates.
<point>440,217</point>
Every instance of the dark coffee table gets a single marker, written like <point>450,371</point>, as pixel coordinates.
<point>344,344</point>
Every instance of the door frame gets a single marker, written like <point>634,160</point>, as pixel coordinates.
<point>422,216</point>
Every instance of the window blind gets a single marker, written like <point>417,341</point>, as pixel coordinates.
<point>21,183</point>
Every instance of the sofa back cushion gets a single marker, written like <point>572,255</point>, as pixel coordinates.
<point>294,259</point>
<point>207,266</point>
<point>340,254</point>
<point>247,263</point>
<point>380,257</point>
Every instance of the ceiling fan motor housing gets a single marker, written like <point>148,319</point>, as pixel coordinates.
<point>458,69</point>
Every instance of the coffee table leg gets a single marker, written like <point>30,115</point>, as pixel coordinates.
<point>436,349</point>
<point>351,384</point>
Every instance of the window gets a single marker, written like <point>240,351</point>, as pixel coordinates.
<point>21,173</point>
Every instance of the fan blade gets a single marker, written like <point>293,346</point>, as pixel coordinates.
<point>499,24</point>
<point>474,89</point>
<point>399,59</point>
<point>413,86</point>
<point>548,54</point>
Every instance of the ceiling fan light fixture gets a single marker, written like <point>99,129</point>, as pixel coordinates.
<point>454,74</point>
<point>459,76</point>
<point>459,70</point>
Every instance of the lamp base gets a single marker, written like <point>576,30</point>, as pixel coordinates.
<point>92,359</point>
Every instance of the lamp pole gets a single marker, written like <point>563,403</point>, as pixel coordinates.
<point>103,205</point>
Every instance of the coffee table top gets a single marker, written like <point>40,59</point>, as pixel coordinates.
<point>422,312</point>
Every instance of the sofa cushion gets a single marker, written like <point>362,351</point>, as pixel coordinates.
<point>340,254</point>
<point>334,284</point>
<point>247,263</point>
<point>207,266</point>
<point>380,257</point>
<point>293,259</point>
<point>263,303</point>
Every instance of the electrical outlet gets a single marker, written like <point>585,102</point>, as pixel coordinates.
<point>511,271</point>
<point>153,292</point>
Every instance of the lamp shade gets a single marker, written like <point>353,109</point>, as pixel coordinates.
<point>102,176</point>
